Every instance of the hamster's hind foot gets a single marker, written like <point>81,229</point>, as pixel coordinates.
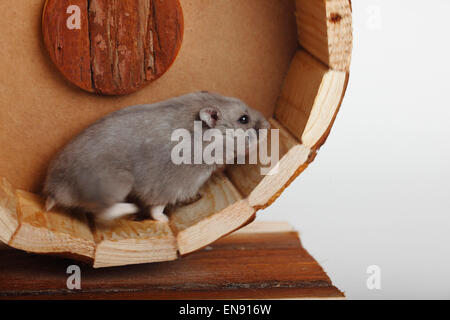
<point>116,211</point>
<point>157,213</point>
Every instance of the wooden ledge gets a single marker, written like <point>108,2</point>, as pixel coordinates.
<point>235,267</point>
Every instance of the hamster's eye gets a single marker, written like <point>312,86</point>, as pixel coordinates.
<point>244,119</point>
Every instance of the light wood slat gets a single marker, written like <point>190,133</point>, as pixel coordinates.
<point>50,232</point>
<point>310,98</point>
<point>133,242</point>
<point>8,215</point>
<point>218,212</point>
<point>217,194</point>
<point>258,227</point>
<point>260,189</point>
<point>215,226</point>
<point>325,30</point>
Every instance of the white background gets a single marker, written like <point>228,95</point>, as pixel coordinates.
<point>378,192</point>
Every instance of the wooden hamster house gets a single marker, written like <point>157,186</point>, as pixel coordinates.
<point>289,59</point>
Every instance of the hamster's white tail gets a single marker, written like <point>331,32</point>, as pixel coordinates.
<point>49,203</point>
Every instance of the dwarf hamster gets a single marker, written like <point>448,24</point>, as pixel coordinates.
<point>128,152</point>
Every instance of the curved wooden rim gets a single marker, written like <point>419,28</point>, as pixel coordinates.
<point>339,65</point>
<point>346,4</point>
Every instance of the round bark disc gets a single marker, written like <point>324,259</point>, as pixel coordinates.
<point>112,47</point>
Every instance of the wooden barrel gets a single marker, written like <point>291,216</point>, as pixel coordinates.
<point>288,59</point>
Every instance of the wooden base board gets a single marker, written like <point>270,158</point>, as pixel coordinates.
<point>262,261</point>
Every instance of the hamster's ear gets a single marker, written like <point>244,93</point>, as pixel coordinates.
<point>209,115</point>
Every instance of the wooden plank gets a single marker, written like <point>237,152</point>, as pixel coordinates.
<point>233,267</point>
<point>218,212</point>
<point>217,194</point>
<point>261,189</point>
<point>50,232</point>
<point>131,242</point>
<point>325,30</point>
<point>310,98</point>
<point>8,215</point>
<point>273,293</point>
<point>215,227</point>
<point>265,227</point>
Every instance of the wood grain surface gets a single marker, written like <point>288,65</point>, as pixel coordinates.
<point>56,232</point>
<point>325,30</point>
<point>117,46</point>
<point>131,242</point>
<point>8,214</point>
<point>260,188</point>
<point>308,113</point>
<point>261,264</point>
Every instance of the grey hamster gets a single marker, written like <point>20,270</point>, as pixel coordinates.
<point>128,152</point>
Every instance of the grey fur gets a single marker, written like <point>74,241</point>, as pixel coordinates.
<point>129,151</point>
